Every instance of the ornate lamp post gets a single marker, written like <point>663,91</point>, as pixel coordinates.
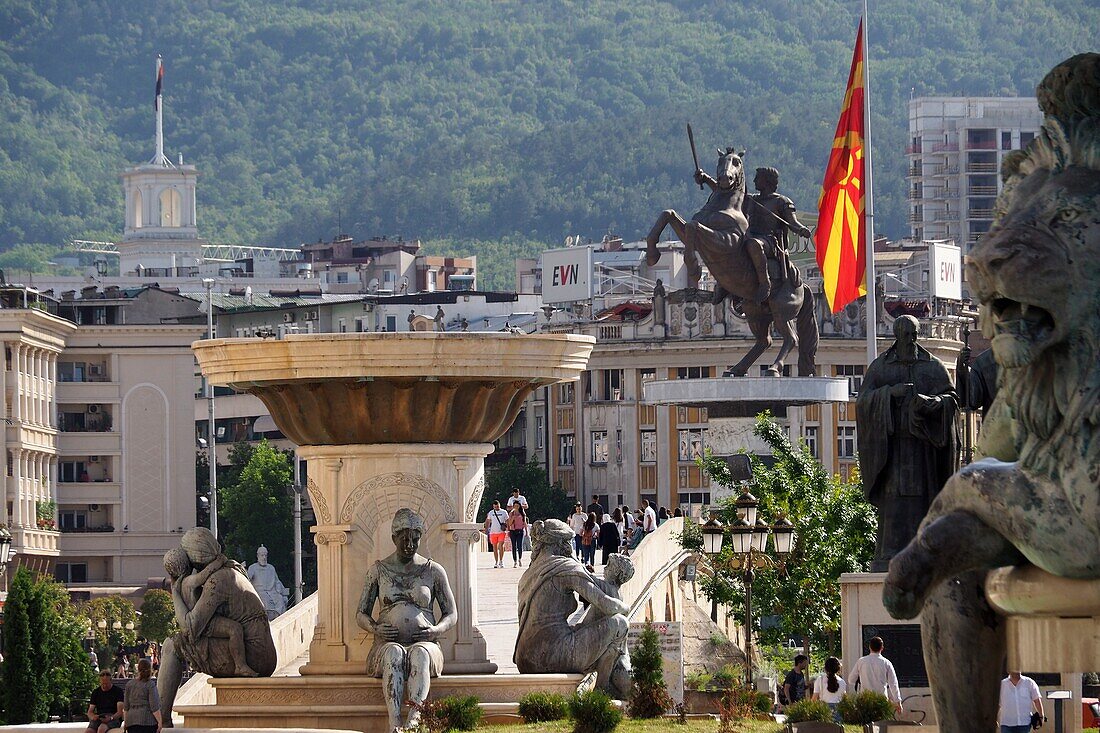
<point>749,542</point>
<point>5,549</point>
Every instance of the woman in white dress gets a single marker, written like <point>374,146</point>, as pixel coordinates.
<point>830,686</point>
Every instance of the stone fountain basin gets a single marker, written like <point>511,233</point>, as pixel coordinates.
<point>356,388</point>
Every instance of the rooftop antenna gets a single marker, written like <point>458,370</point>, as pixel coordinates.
<point>159,158</point>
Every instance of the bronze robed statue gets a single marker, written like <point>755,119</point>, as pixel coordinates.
<point>743,241</point>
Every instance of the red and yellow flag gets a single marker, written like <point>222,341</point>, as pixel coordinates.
<point>841,237</point>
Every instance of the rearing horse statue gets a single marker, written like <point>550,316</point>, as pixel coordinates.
<point>719,234</point>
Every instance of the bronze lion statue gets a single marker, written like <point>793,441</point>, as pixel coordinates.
<point>1036,274</point>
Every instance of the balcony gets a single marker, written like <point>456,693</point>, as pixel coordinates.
<point>88,392</point>
<point>916,218</point>
<point>89,443</point>
<point>945,147</point>
<point>981,145</point>
<point>982,190</point>
<point>945,170</point>
<point>981,167</point>
<point>89,492</point>
<point>913,149</point>
<point>34,541</point>
<point>980,213</point>
<point>915,171</point>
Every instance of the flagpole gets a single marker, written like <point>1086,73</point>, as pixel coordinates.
<point>869,205</point>
<point>159,157</point>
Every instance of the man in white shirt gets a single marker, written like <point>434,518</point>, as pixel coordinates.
<point>1019,698</point>
<point>876,673</point>
<point>649,517</point>
<point>516,498</point>
<point>576,523</point>
<point>496,526</point>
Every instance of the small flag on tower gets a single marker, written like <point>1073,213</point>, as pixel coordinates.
<point>841,237</point>
<point>160,81</point>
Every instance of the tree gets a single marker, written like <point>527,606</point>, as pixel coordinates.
<point>111,610</point>
<point>20,700</point>
<point>544,499</point>
<point>649,697</point>
<point>66,677</point>
<point>835,534</point>
<point>158,615</point>
<point>257,508</point>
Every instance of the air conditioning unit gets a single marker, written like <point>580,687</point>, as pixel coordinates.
<point>93,409</point>
<point>93,459</point>
<point>95,370</point>
<point>311,315</point>
<point>93,507</point>
<point>288,318</point>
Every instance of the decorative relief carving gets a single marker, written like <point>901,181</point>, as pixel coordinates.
<point>320,504</point>
<point>411,480</point>
<point>475,500</point>
<point>339,537</point>
<point>469,536</point>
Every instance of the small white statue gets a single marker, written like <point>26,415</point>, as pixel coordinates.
<point>266,581</point>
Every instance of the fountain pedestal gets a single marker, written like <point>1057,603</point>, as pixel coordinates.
<point>386,421</point>
<point>355,491</point>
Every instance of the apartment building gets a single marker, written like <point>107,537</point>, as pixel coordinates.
<point>100,443</point>
<point>955,151</point>
<point>384,265</point>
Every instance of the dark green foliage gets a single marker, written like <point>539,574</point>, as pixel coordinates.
<point>836,534</point>
<point>455,712</point>
<point>255,506</point>
<point>807,709</point>
<point>20,700</point>
<point>541,707</point>
<point>866,706</point>
<point>475,126</point>
<point>544,499</point>
<point>107,640</point>
<point>649,697</point>
<point>158,615</point>
<point>594,712</point>
<point>46,670</point>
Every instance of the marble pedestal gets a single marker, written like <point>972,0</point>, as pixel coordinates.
<point>355,491</point>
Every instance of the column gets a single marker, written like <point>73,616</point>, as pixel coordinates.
<point>36,368</point>
<point>52,420</point>
<point>328,645</point>
<point>20,386</point>
<point>17,480</point>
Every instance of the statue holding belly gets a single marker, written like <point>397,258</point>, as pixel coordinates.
<point>406,586</point>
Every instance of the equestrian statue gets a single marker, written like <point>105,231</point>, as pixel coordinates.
<point>746,253</point>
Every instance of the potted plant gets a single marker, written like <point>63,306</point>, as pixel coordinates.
<point>45,512</point>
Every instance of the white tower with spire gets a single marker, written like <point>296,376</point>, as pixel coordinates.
<point>161,237</point>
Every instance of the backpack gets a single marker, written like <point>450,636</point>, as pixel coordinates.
<point>586,537</point>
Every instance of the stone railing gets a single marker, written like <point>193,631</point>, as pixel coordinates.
<point>657,557</point>
<point>291,633</point>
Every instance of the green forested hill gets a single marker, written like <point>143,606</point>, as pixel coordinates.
<point>491,126</point>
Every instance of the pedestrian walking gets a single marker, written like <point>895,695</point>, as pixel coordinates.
<point>830,686</point>
<point>516,498</point>
<point>596,507</point>
<point>794,684</point>
<point>1020,704</point>
<point>589,537</point>
<point>576,523</point>
<point>662,516</point>
<point>649,517</point>
<point>608,539</point>
<point>875,672</point>
<point>517,527</point>
<point>620,528</point>
<point>496,526</point>
<point>141,704</point>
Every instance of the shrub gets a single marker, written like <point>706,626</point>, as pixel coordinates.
<point>649,697</point>
<point>594,712</point>
<point>804,710</point>
<point>158,615</point>
<point>455,712</point>
<point>726,677</point>
<point>866,706</point>
<point>698,681</point>
<point>540,707</point>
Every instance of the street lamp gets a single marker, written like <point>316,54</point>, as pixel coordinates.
<point>5,549</point>
<point>208,283</point>
<point>749,542</point>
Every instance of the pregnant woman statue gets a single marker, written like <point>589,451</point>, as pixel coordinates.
<point>406,586</point>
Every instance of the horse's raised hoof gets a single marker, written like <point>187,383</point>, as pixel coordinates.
<point>652,254</point>
<point>720,294</point>
<point>908,582</point>
<point>771,372</point>
<point>731,372</point>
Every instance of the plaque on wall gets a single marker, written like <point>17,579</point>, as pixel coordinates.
<point>902,646</point>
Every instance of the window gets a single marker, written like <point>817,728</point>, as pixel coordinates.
<point>71,572</point>
<point>1026,138</point>
<point>613,384</point>
<point>697,498</point>
<point>619,445</point>
<point>1006,140</point>
<point>599,446</point>
<point>846,441</point>
<point>854,373</point>
<point>391,323</point>
<point>565,393</point>
<point>341,278</point>
<point>170,208</point>
<point>70,371</point>
<point>565,450</point>
<point>343,325</point>
<point>648,375</point>
<point>70,471</point>
<point>72,520</point>
<point>649,446</point>
<point>809,437</point>
<point>691,444</point>
<point>693,373</point>
<point>539,427</point>
<point>11,467</point>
